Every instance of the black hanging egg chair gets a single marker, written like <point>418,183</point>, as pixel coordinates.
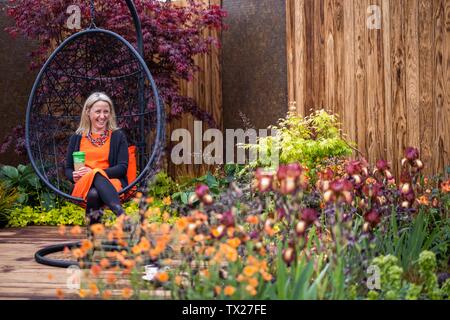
<point>92,60</point>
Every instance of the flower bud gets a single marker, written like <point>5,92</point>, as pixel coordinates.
<point>328,196</point>
<point>201,190</point>
<point>347,196</point>
<point>419,164</point>
<point>288,255</point>
<point>406,188</point>
<point>388,174</point>
<point>207,199</point>
<point>404,161</point>
<point>300,228</point>
<point>357,178</point>
<point>366,227</point>
<point>405,204</point>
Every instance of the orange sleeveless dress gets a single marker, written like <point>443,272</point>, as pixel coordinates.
<point>97,160</point>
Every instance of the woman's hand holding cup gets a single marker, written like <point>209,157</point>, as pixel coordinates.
<point>80,173</point>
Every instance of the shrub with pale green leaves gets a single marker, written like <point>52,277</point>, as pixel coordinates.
<point>310,140</point>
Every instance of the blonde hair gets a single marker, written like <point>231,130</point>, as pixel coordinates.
<point>85,122</point>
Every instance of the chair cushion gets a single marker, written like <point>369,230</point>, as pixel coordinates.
<point>131,172</point>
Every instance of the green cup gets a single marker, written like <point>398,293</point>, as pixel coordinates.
<point>79,158</point>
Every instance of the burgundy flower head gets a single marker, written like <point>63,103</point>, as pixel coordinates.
<point>353,167</point>
<point>373,217</point>
<point>340,185</point>
<point>411,153</point>
<point>382,165</point>
<point>201,190</point>
<point>227,219</point>
<point>309,215</point>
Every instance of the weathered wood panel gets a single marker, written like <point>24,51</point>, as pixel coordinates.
<point>390,85</point>
<point>206,90</point>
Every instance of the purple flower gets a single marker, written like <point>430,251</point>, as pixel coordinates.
<point>309,215</point>
<point>201,190</point>
<point>411,153</point>
<point>227,219</point>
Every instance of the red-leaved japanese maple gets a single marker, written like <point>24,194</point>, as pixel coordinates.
<point>172,36</point>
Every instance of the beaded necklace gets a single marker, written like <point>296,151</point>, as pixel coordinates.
<point>98,142</point>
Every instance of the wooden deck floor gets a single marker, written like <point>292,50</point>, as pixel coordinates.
<point>23,278</point>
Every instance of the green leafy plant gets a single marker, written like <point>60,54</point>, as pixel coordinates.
<point>8,198</point>
<point>68,214</point>
<point>310,140</point>
<point>394,286</point>
<point>28,186</point>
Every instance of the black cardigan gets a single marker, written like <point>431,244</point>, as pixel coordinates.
<point>118,157</point>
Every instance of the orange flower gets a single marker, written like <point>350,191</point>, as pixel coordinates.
<point>446,186</point>
<point>229,290</point>
<point>230,232</point>
<point>97,229</point>
<point>104,263</point>
<point>178,280</point>
<point>76,230</point>
<point>266,276</point>
<point>217,232</point>
<point>144,244</point>
<point>136,249</point>
<point>199,238</point>
<point>83,293</point>
<point>93,289</point>
<point>251,290</point>
<point>423,200</point>
<point>209,251</point>
<point>149,200</point>
<point>106,294</point>
<point>86,245</point>
<point>252,219</point>
<point>268,227</point>
<point>235,242</point>
<point>162,276</point>
<point>165,228</point>
<point>204,273</point>
<point>229,252</point>
<point>240,278</point>
<point>78,253</point>
<point>59,294</point>
<point>217,290</point>
<point>96,270</point>
<point>181,224</point>
<point>166,201</point>
<point>111,278</point>
<point>253,282</point>
<point>127,293</point>
<point>250,271</point>
<point>62,230</point>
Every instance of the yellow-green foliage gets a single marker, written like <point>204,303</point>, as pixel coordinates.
<point>8,197</point>
<point>309,140</point>
<point>69,214</point>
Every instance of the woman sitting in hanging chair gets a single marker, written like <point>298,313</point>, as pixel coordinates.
<point>106,157</point>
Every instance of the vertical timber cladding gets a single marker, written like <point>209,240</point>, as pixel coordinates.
<point>390,84</point>
<point>254,66</point>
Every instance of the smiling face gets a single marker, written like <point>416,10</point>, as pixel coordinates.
<point>99,115</point>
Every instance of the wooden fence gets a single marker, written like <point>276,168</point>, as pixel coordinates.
<point>390,86</point>
<point>206,89</point>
